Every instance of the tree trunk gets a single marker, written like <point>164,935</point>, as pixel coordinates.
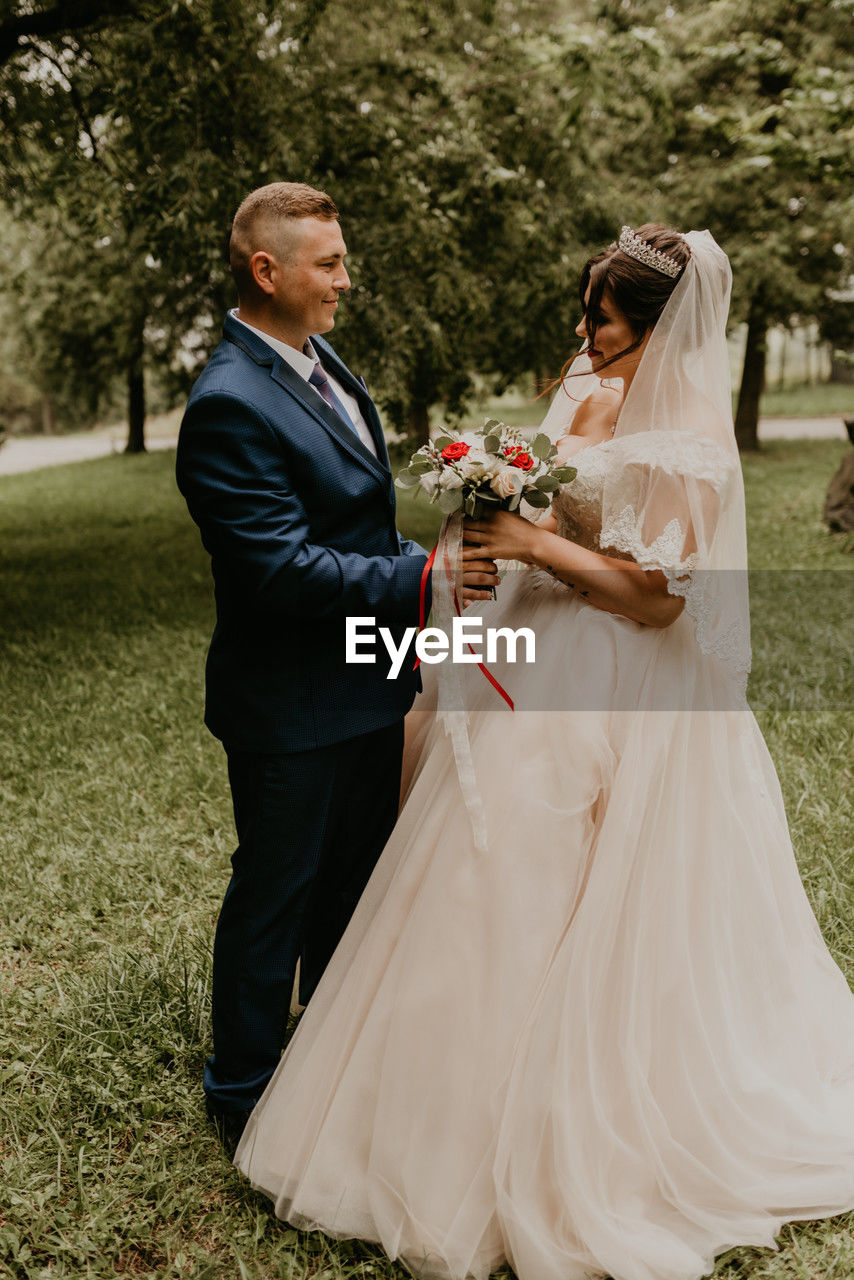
<point>419,421</point>
<point>48,418</point>
<point>842,366</point>
<point>136,399</point>
<point>544,376</point>
<point>420,394</point>
<point>781,375</point>
<point>752,378</point>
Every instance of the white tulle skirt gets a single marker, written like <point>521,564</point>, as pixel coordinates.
<point>614,1043</point>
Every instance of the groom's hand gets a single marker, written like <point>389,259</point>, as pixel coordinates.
<point>480,575</point>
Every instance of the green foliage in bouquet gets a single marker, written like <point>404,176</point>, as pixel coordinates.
<point>486,469</point>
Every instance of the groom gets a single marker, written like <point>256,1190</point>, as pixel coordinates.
<point>282,461</point>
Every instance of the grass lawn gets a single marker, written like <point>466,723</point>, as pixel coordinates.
<point>805,401</point>
<point>114,844</point>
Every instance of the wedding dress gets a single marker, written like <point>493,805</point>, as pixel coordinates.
<point>611,1041</point>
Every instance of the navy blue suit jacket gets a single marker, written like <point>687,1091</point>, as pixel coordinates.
<point>299,520</point>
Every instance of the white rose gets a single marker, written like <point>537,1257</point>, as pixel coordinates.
<point>492,467</point>
<point>507,481</point>
<point>429,482</point>
<point>452,479</point>
<point>476,463</point>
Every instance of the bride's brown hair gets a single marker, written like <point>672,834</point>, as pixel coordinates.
<point>639,292</point>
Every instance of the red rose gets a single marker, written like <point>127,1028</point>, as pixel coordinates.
<point>517,457</point>
<point>454,451</point>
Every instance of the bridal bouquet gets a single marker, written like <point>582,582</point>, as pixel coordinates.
<point>478,471</point>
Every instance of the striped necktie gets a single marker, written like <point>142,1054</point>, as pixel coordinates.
<point>318,379</point>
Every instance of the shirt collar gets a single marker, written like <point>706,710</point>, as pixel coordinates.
<point>302,362</point>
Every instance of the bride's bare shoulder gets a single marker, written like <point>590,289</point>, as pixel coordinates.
<point>597,413</point>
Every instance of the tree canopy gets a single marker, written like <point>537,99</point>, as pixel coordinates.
<point>763,153</point>
<point>477,155</point>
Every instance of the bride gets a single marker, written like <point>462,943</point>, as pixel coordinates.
<point>602,1036</point>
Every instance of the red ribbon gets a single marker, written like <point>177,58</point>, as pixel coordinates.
<point>422,619</point>
<point>422,597</point>
<point>490,677</point>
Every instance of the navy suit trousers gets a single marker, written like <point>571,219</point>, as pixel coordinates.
<point>310,827</point>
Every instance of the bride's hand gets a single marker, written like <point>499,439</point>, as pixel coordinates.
<point>501,536</point>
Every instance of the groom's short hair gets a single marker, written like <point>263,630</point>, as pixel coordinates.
<point>261,223</point>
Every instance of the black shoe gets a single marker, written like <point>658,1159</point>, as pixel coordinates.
<point>229,1126</point>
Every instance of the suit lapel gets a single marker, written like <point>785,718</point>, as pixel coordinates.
<point>356,387</point>
<point>282,373</point>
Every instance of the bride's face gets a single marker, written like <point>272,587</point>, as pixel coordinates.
<point>611,333</point>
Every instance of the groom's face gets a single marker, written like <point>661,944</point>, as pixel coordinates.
<point>311,275</point>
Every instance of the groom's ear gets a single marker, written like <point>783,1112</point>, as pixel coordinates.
<point>262,266</point>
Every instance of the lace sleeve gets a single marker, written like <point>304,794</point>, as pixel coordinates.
<point>661,498</point>
<point>661,505</point>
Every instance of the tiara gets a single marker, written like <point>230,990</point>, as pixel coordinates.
<point>631,244</point>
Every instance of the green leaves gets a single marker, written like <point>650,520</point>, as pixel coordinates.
<point>125,168</point>
<point>463,179</point>
<point>542,447</point>
<point>450,500</point>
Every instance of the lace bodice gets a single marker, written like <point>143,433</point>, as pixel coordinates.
<point>578,506</point>
<point>644,498</point>
<point>621,463</point>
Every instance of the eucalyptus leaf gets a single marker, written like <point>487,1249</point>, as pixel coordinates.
<point>450,500</point>
<point>442,442</point>
<point>420,467</point>
<point>471,505</point>
<point>547,484</point>
<point>564,474</point>
<point>537,499</point>
<point>541,447</point>
<point>492,443</point>
<point>514,502</point>
<point>406,480</point>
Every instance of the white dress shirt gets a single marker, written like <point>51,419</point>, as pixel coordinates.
<point>302,363</point>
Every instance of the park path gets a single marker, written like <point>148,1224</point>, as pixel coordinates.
<point>829,428</point>
<point>29,453</point>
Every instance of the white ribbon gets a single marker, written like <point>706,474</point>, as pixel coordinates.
<point>446,580</point>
